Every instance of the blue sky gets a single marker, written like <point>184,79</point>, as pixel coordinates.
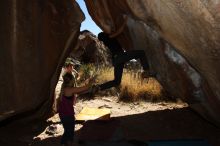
<point>88,23</point>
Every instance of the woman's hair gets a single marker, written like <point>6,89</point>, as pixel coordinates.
<point>103,36</point>
<point>67,79</point>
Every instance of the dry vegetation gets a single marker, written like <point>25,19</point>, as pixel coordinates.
<point>132,87</point>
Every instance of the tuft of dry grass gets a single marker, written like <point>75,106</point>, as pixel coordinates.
<point>132,87</point>
<point>105,74</point>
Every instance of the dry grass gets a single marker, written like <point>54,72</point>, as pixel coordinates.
<point>132,88</point>
<point>105,74</point>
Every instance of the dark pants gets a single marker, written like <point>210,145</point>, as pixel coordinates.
<point>69,127</point>
<point>118,63</point>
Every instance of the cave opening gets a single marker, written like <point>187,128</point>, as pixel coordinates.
<point>132,102</point>
<point>93,58</point>
<point>135,114</point>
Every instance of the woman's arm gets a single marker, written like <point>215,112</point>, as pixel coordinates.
<point>75,90</point>
<point>120,29</point>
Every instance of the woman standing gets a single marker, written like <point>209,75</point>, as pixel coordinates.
<point>66,109</point>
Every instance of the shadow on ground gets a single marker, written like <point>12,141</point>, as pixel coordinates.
<point>155,125</point>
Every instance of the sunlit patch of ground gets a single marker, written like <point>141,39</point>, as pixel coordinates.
<point>118,109</point>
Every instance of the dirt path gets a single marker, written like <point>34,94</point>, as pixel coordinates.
<point>140,120</point>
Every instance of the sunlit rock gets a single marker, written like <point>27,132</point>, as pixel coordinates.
<point>91,50</point>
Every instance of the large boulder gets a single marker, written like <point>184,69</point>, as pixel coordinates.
<point>181,39</point>
<point>91,50</point>
<point>36,37</point>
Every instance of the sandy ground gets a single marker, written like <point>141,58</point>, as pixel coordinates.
<point>141,121</point>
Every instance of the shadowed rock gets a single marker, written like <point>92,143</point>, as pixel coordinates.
<point>181,40</point>
<point>36,37</point>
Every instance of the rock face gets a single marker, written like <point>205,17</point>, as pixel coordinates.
<point>36,37</point>
<point>91,50</point>
<point>181,39</point>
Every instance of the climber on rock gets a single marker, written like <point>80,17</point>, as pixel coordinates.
<point>120,57</point>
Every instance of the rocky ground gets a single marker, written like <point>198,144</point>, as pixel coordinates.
<point>140,121</point>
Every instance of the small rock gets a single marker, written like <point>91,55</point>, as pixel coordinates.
<point>162,104</point>
<point>51,130</point>
<point>37,138</point>
<point>105,106</point>
<point>107,99</point>
<point>136,103</point>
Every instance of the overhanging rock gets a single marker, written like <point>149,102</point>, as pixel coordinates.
<point>181,39</point>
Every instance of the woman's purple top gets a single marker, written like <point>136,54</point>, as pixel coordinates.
<point>66,106</point>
